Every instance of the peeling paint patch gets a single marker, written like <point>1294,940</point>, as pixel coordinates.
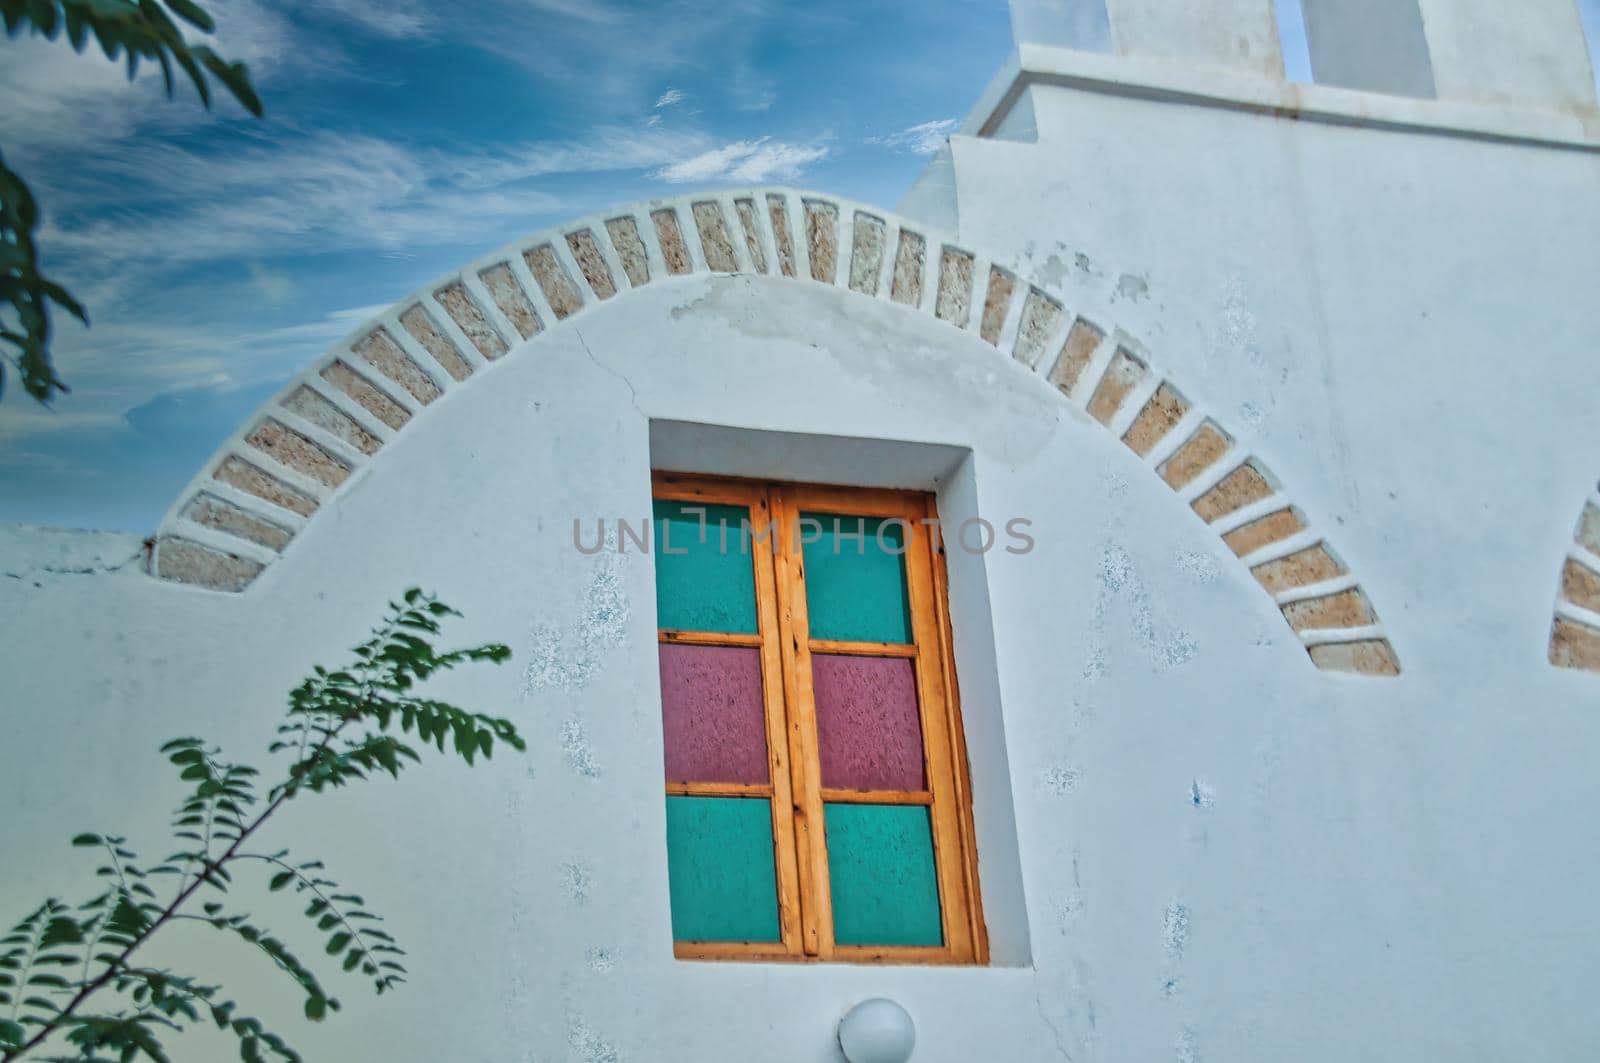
<point>1060,779</point>
<point>1064,911</point>
<point>1132,287</point>
<point>1052,274</point>
<point>1201,795</point>
<point>1187,1046</point>
<point>1198,566</point>
<point>1175,929</point>
<point>602,960</point>
<point>575,882</point>
<point>1117,577</point>
<point>576,749</point>
<point>1252,415</point>
<point>587,1045</point>
<point>569,659</point>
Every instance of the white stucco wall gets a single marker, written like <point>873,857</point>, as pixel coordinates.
<point>1225,852</point>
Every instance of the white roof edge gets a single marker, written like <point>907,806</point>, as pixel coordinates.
<point>1155,79</point>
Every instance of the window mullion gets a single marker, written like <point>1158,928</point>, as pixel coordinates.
<point>790,900</point>
<point>938,755</point>
<point>958,740</point>
<point>805,763</point>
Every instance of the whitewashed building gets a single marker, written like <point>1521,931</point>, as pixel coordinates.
<point>1249,711</point>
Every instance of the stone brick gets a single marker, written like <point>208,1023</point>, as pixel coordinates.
<point>996,302</point>
<point>1300,569</point>
<point>506,291</point>
<point>239,473</point>
<point>419,324</point>
<point>822,240</point>
<point>371,399</point>
<point>1588,533</point>
<point>328,417</point>
<point>624,233</point>
<point>954,300</point>
<point>586,252</point>
<point>866,254</point>
<point>288,447</point>
<point>184,562</point>
<point>910,258</point>
<point>1202,450</point>
<point>468,316</point>
<point>1082,341</point>
<point>224,516</point>
<point>714,238</point>
<point>1366,657</point>
<point>752,234</point>
<point>1239,488</point>
<point>559,291</point>
<point>1348,608</point>
<point>1040,317</point>
<point>1580,585</point>
<point>1248,538</point>
<point>778,211</point>
<point>384,355</point>
<point>670,237</point>
<point>1159,416</point>
<point>1123,375</point>
<point>1574,645</point>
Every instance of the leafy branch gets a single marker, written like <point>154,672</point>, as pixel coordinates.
<point>134,31</point>
<point>59,959</point>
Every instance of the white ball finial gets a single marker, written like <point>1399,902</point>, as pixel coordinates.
<point>877,1031</point>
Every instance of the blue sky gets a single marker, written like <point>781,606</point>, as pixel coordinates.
<point>219,254</point>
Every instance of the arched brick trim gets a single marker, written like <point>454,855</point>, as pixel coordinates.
<point>262,487</point>
<point>1575,631</point>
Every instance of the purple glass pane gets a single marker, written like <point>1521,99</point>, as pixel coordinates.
<point>867,723</point>
<point>711,711</point>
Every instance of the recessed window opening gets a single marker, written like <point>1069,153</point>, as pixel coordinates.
<point>818,800</point>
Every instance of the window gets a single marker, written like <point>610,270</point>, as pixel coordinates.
<point>817,791</point>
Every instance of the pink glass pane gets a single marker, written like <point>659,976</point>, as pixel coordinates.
<point>867,723</point>
<point>712,714</point>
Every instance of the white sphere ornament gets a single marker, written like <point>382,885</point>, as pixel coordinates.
<point>877,1031</point>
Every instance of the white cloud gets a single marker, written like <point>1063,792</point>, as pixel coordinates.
<point>321,193</point>
<point>922,139</point>
<point>670,97</point>
<point>748,161</point>
<point>387,18</point>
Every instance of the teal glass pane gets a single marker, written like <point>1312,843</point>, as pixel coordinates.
<point>856,578</point>
<point>719,869</point>
<point>881,871</point>
<point>705,575</point>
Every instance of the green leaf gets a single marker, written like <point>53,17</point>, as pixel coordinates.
<point>280,880</point>
<point>337,943</point>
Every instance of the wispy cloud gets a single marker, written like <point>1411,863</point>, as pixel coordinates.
<point>387,18</point>
<point>670,97</point>
<point>327,192</point>
<point>925,138</point>
<point>746,161</point>
<point>56,98</point>
<point>637,50</point>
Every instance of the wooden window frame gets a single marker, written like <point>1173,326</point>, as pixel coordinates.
<point>805,915</point>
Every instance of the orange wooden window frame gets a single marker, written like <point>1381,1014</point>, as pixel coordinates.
<point>805,912</point>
